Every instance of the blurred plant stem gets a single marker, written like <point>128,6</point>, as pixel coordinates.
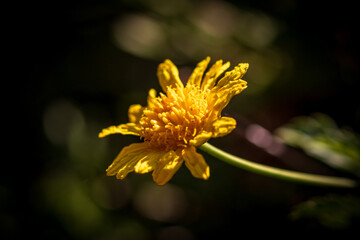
<point>276,172</point>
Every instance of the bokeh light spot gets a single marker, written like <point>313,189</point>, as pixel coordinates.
<point>139,34</point>
<point>166,203</point>
<point>58,120</point>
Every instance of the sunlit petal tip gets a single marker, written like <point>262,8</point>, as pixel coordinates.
<point>197,74</point>
<point>125,129</point>
<point>232,79</point>
<point>151,99</point>
<point>168,75</point>
<point>101,135</point>
<point>223,126</point>
<point>160,182</point>
<point>243,68</point>
<point>135,112</point>
<point>196,163</point>
<point>121,175</point>
<point>109,130</point>
<point>109,172</point>
<point>239,71</point>
<point>213,73</point>
<point>152,93</point>
<point>167,166</point>
<point>113,169</point>
<point>206,173</point>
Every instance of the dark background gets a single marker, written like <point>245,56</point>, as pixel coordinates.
<point>75,67</point>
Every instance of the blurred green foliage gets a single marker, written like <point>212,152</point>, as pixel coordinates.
<point>331,211</point>
<point>320,137</point>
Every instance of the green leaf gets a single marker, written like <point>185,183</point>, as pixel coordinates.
<point>320,137</point>
<point>332,211</point>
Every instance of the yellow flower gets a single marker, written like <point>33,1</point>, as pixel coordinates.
<point>173,124</point>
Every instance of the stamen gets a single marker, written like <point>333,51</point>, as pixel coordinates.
<point>175,118</point>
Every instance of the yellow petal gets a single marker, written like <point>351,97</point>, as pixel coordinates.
<point>125,129</point>
<point>225,89</point>
<point>212,75</point>
<point>197,74</point>
<point>135,113</point>
<point>235,87</point>
<point>223,126</point>
<point>167,166</point>
<point>201,138</point>
<point>151,98</point>
<point>195,162</point>
<point>237,73</point>
<point>223,96</point>
<point>149,163</point>
<point>127,159</point>
<point>168,75</point>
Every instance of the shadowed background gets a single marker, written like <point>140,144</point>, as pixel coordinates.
<point>80,65</point>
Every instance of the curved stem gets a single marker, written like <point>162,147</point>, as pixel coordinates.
<point>276,172</point>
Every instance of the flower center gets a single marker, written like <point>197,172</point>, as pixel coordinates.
<point>175,118</point>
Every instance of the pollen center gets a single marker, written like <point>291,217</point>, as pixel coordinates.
<point>175,118</point>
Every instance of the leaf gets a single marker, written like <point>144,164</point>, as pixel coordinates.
<point>320,137</point>
<point>332,211</point>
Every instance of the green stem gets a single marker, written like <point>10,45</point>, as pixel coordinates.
<point>276,172</point>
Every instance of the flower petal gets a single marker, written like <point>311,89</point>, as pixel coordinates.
<point>237,73</point>
<point>125,129</point>
<point>135,113</point>
<point>167,166</point>
<point>223,126</point>
<point>201,138</point>
<point>151,100</point>
<point>212,75</point>
<point>195,162</point>
<point>149,163</point>
<point>222,96</point>
<point>197,74</point>
<point>127,159</point>
<point>168,75</point>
